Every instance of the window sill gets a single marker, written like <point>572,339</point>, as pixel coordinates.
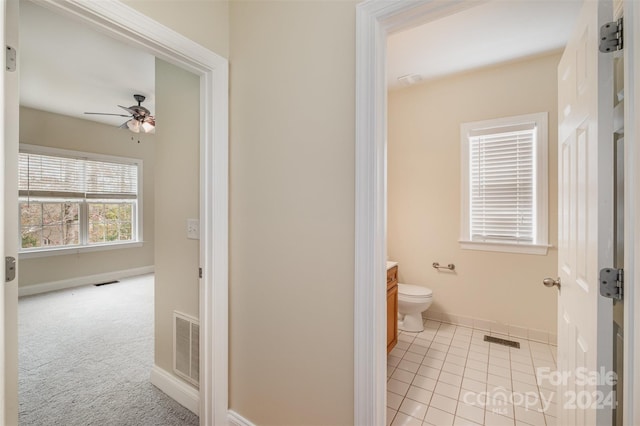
<point>537,249</point>
<point>76,250</point>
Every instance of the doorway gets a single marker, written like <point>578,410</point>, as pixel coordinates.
<point>211,70</point>
<point>374,23</point>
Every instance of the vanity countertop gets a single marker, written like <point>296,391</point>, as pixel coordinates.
<point>391,265</point>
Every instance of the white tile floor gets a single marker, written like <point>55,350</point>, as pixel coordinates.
<point>448,375</point>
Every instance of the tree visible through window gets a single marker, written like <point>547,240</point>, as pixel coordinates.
<point>109,222</point>
<point>49,224</point>
<point>74,199</point>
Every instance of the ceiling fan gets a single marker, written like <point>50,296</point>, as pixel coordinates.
<point>141,119</point>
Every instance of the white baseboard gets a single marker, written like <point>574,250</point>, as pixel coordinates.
<point>236,419</point>
<point>493,327</point>
<point>86,280</point>
<point>184,394</point>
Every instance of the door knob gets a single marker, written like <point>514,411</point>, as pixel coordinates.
<point>550,282</point>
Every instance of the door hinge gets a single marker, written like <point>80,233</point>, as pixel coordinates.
<point>611,283</point>
<point>200,272</point>
<point>9,268</point>
<point>11,59</point>
<point>611,36</point>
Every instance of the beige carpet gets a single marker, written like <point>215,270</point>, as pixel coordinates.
<point>85,356</point>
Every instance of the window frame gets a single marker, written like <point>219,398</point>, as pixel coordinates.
<point>137,217</point>
<point>540,244</point>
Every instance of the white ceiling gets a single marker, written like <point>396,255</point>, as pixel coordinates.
<point>69,69</point>
<point>488,33</point>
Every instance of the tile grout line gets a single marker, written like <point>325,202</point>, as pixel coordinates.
<point>440,373</point>
<point>438,335</point>
<point>544,417</point>
<point>463,371</point>
<point>425,355</point>
<point>414,376</point>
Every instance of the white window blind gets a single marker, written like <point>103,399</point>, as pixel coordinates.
<point>502,168</point>
<point>111,180</point>
<point>73,201</point>
<point>63,177</point>
<point>504,184</point>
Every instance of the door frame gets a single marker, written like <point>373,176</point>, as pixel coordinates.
<point>134,28</point>
<point>375,20</point>
<point>631,368</point>
<point>2,248</point>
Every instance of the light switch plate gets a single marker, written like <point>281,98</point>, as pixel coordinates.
<point>193,229</point>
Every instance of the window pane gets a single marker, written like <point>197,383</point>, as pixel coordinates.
<point>125,231</point>
<point>51,213</point>
<point>125,212</point>
<point>96,232</point>
<point>71,233</point>
<point>52,235</point>
<point>49,224</point>
<point>112,231</point>
<point>70,213</point>
<point>110,222</point>
<point>111,211</point>
<point>96,212</point>
<point>30,214</point>
<point>31,237</point>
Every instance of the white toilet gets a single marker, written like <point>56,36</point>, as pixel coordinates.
<point>413,300</point>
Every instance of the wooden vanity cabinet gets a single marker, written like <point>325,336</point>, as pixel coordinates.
<point>392,307</point>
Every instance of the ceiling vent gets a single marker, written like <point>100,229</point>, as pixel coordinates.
<point>410,79</point>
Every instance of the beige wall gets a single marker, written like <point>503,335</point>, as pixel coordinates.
<point>59,131</point>
<point>203,21</point>
<point>424,194</point>
<point>292,211</point>
<point>291,200</point>
<point>177,198</point>
<point>177,161</point>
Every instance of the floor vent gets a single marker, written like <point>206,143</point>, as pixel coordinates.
<point>500,341</point>
<point>186,347</point>
<point>107,283</point>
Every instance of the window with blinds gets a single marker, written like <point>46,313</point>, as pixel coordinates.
<point>504,183</point>
<point>71,199</point>
<point>54,176</point>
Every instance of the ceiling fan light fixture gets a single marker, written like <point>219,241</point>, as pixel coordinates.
<point>134,125</point>
<point>147,127</point>
<point>141,118</point>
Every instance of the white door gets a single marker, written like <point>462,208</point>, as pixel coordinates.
<point>9,187</point>
<point>585,223</point>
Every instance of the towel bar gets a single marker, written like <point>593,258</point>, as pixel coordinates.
<point>450,267</point>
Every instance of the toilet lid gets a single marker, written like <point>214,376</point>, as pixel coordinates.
<point>414,290</point>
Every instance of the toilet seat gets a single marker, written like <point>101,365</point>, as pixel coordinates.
<point>411,291</point>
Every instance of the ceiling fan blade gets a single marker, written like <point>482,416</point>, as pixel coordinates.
<point>106,113</point>
<point>140,118</point>
<point>129,110</point>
